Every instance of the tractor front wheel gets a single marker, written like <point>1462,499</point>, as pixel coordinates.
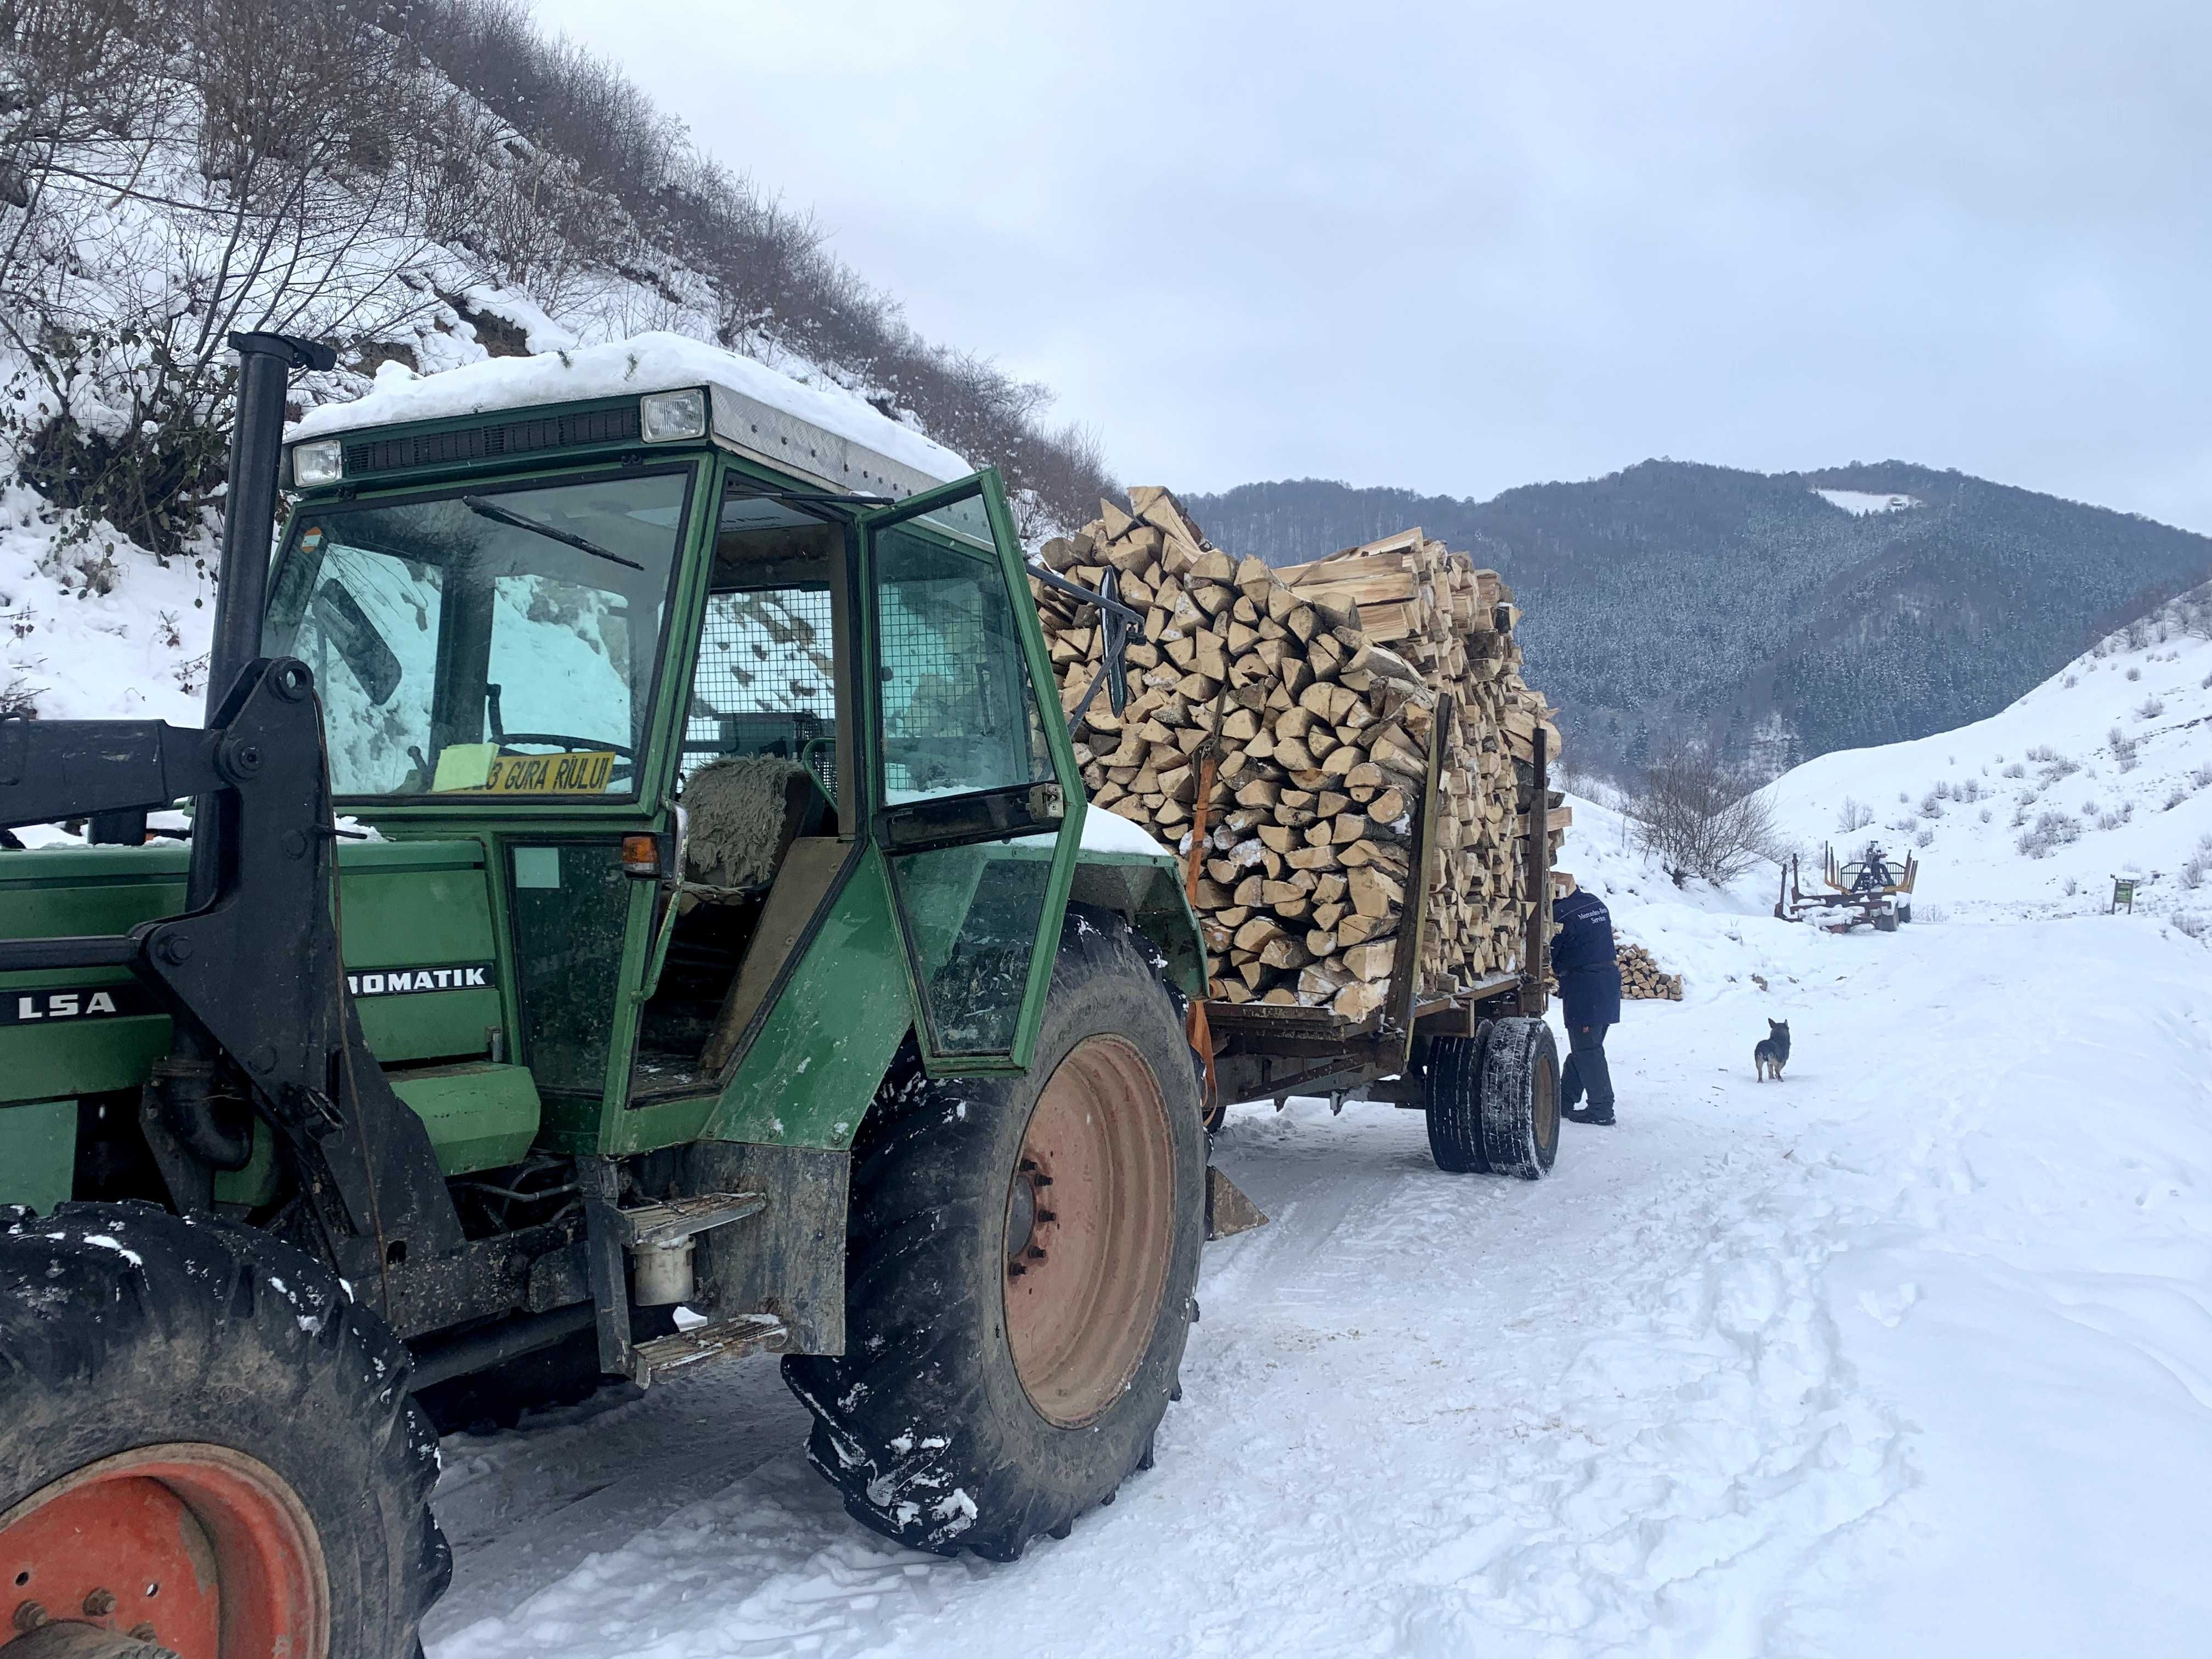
<point>205,1448</point>
<point>1021,1255</point>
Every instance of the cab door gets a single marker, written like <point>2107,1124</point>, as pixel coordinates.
<point>976,806</point>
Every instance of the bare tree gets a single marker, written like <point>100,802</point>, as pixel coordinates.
<point>1701,821</point>
<point>172,196</point>
<point>1854,814</point>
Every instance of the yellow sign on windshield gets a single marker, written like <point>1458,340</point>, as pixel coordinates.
<point>583,772</point>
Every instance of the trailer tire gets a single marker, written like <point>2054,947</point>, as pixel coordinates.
<point>1454,1103</point>
<point>969,1411</point>
<point>1521,1098</point>
<point>155,1373</point>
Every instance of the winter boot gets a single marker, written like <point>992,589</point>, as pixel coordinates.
<point>1600,1115</point>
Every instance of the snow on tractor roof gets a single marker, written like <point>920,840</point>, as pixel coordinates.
<point>820,432</point>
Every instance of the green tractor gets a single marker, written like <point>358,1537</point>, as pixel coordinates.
<point>638,906</point>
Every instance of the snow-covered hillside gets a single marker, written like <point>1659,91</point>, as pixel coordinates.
<point>2104,770</point>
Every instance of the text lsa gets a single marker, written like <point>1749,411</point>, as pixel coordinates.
<point>64,1004</point>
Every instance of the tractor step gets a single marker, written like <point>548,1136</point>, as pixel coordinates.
<point>719,1339</point>
<point>670,1220</point>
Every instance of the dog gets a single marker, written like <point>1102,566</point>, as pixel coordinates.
<point>1774,1051</point>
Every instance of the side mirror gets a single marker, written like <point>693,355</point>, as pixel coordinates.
<point>1116,620</point>
<point>1115,657</point>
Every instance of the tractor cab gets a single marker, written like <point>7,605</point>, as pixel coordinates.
<point>703,679</point>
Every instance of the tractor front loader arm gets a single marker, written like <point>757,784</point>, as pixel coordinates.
<point>255,971</point>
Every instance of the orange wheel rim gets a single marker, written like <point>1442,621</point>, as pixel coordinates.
<point>1089,1229</point>
<point>200,1548</point>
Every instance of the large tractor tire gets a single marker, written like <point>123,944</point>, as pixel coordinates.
<point>205,1446</point>
<point>1021,1256</point>
<point>1521,1098</point>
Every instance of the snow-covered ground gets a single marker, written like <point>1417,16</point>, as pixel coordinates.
<point>1910,1352</point>
<point>1859,503</point>
<point>2105,769</point>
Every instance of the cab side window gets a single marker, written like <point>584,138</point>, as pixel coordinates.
<point>766,679</point>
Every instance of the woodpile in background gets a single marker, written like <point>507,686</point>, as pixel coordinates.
<point>1642,978</point>
<point>1316,690</point>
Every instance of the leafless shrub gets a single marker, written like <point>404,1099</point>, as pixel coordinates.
<point>2192,925</point>
<point>1698,819</point>
<point>2135,673</point>
<point>2052,830</point>
<point>2151,709</point>
<point>2016,771</point>
<point>19,699</point>
<point>1925,838</point>
<point>1853,815</point>
<point>225,165</point>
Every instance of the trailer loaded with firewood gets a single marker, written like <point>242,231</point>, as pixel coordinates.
<point>1347,758</point>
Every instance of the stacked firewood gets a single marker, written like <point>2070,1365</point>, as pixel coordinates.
<point>1316,693</point>
<point>1642,979</point>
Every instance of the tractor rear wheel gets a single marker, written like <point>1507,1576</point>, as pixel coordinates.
<point>1521,1098</point>
<point>204,1446</point>
<point>1021,1255</point>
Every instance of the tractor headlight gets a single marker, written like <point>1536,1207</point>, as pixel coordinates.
<point>314,465</point>
<point>667,417</point>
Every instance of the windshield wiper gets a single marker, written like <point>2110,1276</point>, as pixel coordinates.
<point>484,509</point>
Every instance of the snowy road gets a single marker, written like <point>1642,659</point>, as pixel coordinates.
<point>1912,1352</point>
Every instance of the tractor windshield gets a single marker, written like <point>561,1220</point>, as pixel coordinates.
<point>498,639</point>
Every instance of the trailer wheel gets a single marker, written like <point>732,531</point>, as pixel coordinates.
<point>1021,1255</point>
<point>1454,1102</point>
<point>1521,1098</point>
<point>204,1444</point>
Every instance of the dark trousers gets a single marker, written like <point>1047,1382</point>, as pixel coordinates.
<point>1586,1069</point>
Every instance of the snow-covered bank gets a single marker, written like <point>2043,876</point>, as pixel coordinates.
<point>2104,769</point>
<point>1910,1352</point>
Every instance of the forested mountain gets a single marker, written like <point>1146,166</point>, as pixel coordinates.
<point>1751,610</point>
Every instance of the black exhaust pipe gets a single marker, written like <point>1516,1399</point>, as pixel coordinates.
<point>249,523</point>
<point>265,363</point>
<point>179,1112</point>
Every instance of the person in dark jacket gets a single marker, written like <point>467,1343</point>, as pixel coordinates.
<point>1589,997</point>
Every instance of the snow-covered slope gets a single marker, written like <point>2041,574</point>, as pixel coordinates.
<point>96,628</point>
<point>2105,769</point>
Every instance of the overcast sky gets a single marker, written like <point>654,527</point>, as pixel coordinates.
<point>1459,248</point>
